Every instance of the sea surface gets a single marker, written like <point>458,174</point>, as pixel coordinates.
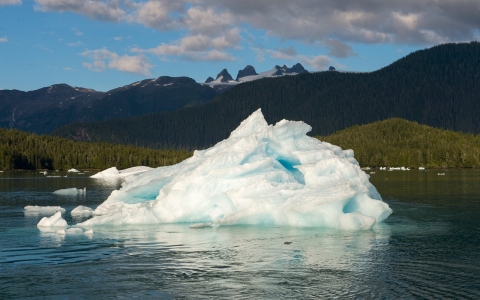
<point>429,248</point>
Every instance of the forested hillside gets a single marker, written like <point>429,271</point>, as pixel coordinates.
<point>396,142</point>
<point>439,87</point>
<point>21,150</point>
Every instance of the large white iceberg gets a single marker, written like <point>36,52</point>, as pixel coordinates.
<point>261,174</point>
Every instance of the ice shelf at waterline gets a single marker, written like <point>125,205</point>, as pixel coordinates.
<point>262,174</point>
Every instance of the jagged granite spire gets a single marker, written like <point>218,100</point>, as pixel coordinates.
<point>225,76</point>
<point>247,71</point>
<point>297,68</point>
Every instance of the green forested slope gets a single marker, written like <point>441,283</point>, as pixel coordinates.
<point>21,150</point>
<point>439,87</point>
<point>396,142</point>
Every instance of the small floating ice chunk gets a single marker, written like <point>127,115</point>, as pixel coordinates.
<point>113,172</point>
<point>108,173</point>
<point>82,211</point>
<point>73,170</point>
<point>421,168</point>
<point>54,221</point>
<point>261,175</point>
<point>88,232</point>
<point>61,232</point>
<point>30,209</point>
<point>71,192</point>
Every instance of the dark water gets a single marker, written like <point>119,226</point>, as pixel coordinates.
<point>428,248</point>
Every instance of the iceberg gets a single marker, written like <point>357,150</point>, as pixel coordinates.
<point>54,221</point>
<point>71,192</point>
<point>114,173</point>
<point>42,210</point>
<point>261,175</point>
<point>81,211</point>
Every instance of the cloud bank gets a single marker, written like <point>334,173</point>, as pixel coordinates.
<point>10,2</point>
<point>367,21</point>
<point>212,29</point>
<point>103,59</point>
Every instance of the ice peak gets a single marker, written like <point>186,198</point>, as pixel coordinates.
<point>251,125</point>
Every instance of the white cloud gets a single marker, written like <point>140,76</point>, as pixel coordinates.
<point>416,22</point>
<point>10,2</point>
<point>158,14</point>
<point>282,53</point>
<point>104,59</point>
<point>3,39</point>
<point>75,44</point>
<point>366,21</point>
<point>118,38</point>
<point>319,62</point>
<point>107,10</point>
<point>68,69</point>
<point>338,48</point>
<point>199,47</point>
<point>432,37</point>
<point>213,55</point>
<point>42,47</point>
<point>76,31</point>
<point>207,21</point>
<point>227,39</point>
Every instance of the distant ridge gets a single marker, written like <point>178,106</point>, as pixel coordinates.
<point>45,109</point>
<point>439,87</point>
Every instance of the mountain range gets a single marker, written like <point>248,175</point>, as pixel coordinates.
<point>44,110</point>
<point>439,87</point>
<point>224,81</point>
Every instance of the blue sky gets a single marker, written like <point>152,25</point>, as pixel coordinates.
<point>103,44</point>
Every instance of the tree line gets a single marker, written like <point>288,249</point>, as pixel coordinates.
<point>396,142</point>
<point>21,150</point>
<point>389,143</point>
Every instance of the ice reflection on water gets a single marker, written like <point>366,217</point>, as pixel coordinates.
<point>428,248</point>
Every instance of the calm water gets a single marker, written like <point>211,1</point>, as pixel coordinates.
<point>428,248</point>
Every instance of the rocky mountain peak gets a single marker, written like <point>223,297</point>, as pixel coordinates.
<point>247,71</point>
<point>225,76</point>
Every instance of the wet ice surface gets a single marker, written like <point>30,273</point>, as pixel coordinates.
<point>428,248</point>
<point>261,175</point>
